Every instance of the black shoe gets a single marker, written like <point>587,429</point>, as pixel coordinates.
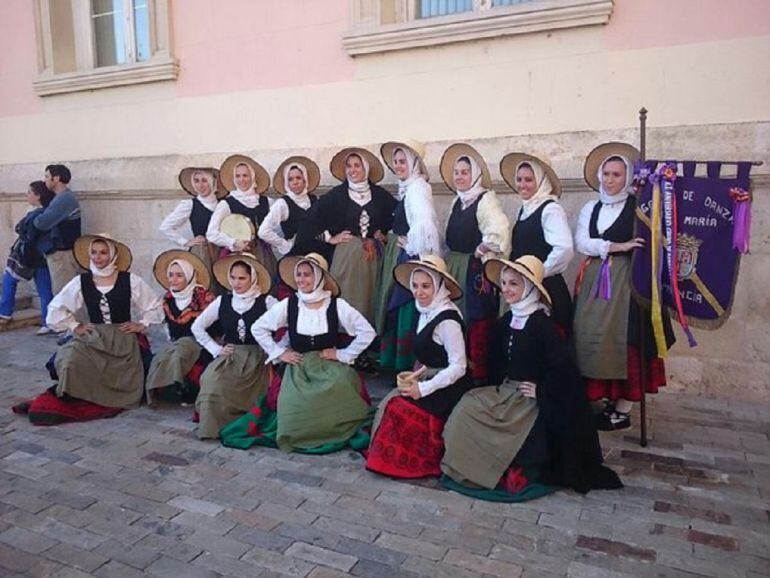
<point>611,419</point>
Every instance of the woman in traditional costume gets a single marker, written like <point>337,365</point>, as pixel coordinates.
<point>100,371</point>
<point>541,228</point>
<point>247,182</point>
<point>414,233</point>
<point>238,375</point>
<point>353,219</point>
<point>607,319</point>
<point>532,430</point>
<point>175,372</point>
<point>201,185</point>
<point>322,404</point>
<point>406,437</point>
<point>477,231</point>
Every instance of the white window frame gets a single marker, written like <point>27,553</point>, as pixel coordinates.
<point>161,65</point>
<point>386,25</point>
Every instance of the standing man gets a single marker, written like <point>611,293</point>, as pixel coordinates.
<point>62,219</point>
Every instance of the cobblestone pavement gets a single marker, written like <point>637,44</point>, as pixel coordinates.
<point>140,495</point>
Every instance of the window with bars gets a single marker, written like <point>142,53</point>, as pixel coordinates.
<point>121,31</point>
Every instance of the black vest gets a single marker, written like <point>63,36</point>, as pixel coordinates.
<point>462,231</point>
<point>290,225</point>
<point>622,229</point>
<point>400,224</point>
<point>199,218</point>
<point>119,298</point>
<point>256,215</point>
<point>528,237</point>
<point>176,330</point>
<point>304,343</point>
<point>228,318</point>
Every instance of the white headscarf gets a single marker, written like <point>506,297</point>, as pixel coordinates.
<point>248,197</point>
<point>544,189</point>
<point>286,170</point>
<point>477,189</point>
<point>441,299</point>
<point>359,189</point>
<point>242,302</point>
<point>210,202</point>
<point>604,196</point>
<point>108,269</point>
<point>415,171</point>
<point>184,296</point>
<point>527,305</point>
<point>319,293</point>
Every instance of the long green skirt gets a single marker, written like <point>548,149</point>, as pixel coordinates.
<point>320,410</point>
<point>172,365</point>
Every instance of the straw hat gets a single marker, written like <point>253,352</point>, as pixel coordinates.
<point>160,268</point>
<point>433,263</point>
<point>597,156</point>
<point>417,148</point>
<point>449,158</point>
<point>313,173</point>
<point>286,271</point>
<point>223,265</point>
<point>186,175</point>
<point>512,160</point>
<point>528,265</point>
<point>337,164</point>
<point>82,247</point>
<point>261,177</point>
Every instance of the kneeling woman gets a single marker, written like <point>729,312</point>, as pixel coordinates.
<point>175,372</point>
<point>101,370</point>
<point>238,375</point>
<point>533,431</point>
<point>322,403</point>
<point>406,437</point>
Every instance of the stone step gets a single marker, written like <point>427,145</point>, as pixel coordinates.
<point>26,317</point>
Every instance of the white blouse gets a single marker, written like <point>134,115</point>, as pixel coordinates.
<point>449,335</point>
<point>213,233</point>
<point>209,316</point>
<point>62,309</point>
<point>423,237</point>
<point>558,235</point>
<point>313,322</point>
<point>270,229</point>
<point>608,214</point>
<point>180,216</point>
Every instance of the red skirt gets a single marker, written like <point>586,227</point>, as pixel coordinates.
<point>479,333</point>
<point>408,443</point>
<point>631,388</point>
<point>47,409</point>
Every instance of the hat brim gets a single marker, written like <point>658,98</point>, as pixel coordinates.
<point>261,176</point>
<point>597,156</point>
<point>160,267</point>
<point>449,158</point>
<point>511,161</point>
<point>185,180</point>
<point>494,267</point>
<point>387,150</point>
<point>223,265</point>
<point>403,272</point>
<point>83,258</point>
<point>337,164</point>
<point>286,273</point>
<point>313,174</point>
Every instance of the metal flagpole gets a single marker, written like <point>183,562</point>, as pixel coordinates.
<point>642,324</point>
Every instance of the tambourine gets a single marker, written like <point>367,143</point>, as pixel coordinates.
<point>239,227</point>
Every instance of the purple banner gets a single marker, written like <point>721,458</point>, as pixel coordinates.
<point>706,261</point>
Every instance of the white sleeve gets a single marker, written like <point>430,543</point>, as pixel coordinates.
<point>450,335</point>
<point>494,226</point>
<point>559,236</point>
<point>213,233</point>
<point>62,308</point>
<point>275,318</point>
<point>357,327</point>
<point>270,229</point>
<point>175,220</point>
<point>423,237</point>
<point>583,241</point>
<point>206,319</point>
<point>149,303</point>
